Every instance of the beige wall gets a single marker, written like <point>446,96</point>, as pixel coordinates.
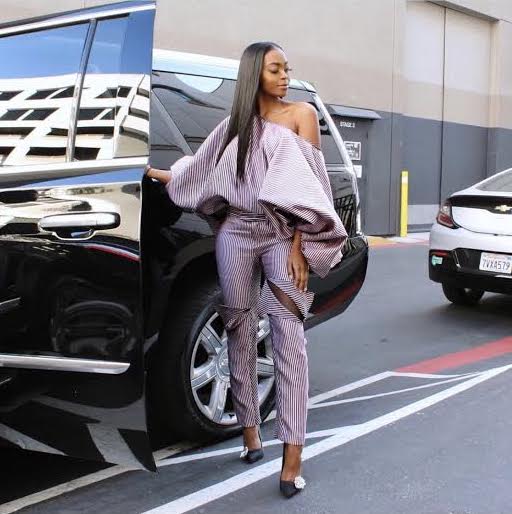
<point>14,10</point>
<point>467,69</point>
<point>423,61</point>
<point>346,52</point>
<point>501,76</point>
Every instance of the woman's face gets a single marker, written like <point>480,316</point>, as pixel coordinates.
<point>275,77</point>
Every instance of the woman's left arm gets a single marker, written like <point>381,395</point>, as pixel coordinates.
<point>308,128</point>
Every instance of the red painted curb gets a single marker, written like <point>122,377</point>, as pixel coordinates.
<point>457,359</point>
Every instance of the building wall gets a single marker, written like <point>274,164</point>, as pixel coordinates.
<point>438,74</point>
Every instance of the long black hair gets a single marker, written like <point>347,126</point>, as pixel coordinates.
<point>245,102</point>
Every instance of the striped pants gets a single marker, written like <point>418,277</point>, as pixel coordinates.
<point>245,246</point>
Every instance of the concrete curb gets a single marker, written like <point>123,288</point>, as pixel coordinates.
<point>420,238</point>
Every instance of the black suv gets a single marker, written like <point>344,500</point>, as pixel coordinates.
<point>107,289</point>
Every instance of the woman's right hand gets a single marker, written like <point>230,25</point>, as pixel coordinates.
<point>163,176</point>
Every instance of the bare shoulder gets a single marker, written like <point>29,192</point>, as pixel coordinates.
<point>306,120</point>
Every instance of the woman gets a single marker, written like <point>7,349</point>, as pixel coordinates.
<point>259,179</point>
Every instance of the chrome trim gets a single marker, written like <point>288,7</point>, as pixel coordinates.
<point>198,64</point>
<point>63,19</point>
<point>45,362</point>
<point>308,86</point>
<point>52,170</point>
<point>82,220</point>
<point>8,305</point>
<point>77,94</point>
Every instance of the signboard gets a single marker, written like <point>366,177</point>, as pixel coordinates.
<point>353,149</point>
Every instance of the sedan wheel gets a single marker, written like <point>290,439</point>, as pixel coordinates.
<point>462,295</point>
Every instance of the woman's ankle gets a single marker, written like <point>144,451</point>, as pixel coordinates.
<point>251,437</point>
<point>292,461</point>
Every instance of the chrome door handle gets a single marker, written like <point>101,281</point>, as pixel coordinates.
<point>83,221</point>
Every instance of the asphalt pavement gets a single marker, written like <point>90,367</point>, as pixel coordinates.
<point>409,412</point>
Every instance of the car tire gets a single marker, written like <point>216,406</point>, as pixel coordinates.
<point>174,406</point>
<point>461,295</point>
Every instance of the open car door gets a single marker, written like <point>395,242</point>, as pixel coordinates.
<point>74,131</point>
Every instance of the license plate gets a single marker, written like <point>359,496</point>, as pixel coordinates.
<point>496,262</point>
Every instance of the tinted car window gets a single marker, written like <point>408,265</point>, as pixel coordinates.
<point>196,104</point>
<point>166,144</point>
<point>99,96</point>
<point>500,184</point>
<point>37,82</point>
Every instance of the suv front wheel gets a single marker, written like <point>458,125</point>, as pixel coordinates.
<point>189,376</point>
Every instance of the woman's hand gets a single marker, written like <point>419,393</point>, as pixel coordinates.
<point>298,268</point>
<point>161,175</point>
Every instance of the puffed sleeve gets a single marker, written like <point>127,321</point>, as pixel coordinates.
<point>296,193</point>
<point>190,174</point>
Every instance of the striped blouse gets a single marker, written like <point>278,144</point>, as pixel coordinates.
<point>285,178</point>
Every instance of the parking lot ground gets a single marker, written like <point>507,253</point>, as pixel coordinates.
<point>409,412</point>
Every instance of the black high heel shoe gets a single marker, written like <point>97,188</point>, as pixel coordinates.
<point>290,487</point>
<point>251,456</point>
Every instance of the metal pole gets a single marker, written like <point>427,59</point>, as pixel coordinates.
<point>404,202</point>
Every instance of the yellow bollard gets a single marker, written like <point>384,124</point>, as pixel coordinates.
<point>404,202</point>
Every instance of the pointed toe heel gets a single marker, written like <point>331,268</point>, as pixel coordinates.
<point>290,488</point>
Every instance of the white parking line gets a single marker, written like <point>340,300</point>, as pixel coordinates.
<point>65,487</point>
<point>161,456</point>
<point>343,436</point>
<point>77,483</point>
<point>236,449</point>
<point>342,390</point>
<point>320,433</point>
<point>388,393</point>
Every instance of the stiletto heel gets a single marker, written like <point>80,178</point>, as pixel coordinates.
<point>290,487</point>
<point>251,456</point>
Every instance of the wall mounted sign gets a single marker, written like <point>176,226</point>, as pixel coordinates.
<point>353,149</point>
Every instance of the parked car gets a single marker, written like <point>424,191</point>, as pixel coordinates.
<point>107,289</point>
<point>471,241</point>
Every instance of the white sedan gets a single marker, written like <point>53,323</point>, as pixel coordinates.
<point>471,241</point>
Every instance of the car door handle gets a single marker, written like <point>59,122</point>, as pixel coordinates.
<point>80,221</point>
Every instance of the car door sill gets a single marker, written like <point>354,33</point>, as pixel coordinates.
<point>46,362</point>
